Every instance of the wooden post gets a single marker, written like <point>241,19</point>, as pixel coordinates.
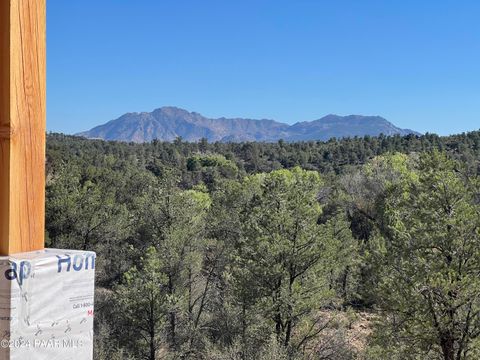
<point>22,125</point>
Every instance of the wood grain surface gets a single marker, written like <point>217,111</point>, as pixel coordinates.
<point>22,125</point>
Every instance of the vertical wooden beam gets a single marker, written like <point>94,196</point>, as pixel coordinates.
<point>22,125</point>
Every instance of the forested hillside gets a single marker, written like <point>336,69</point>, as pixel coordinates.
<point>362,248</point>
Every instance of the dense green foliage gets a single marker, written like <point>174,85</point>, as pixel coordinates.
<point>275,250</point>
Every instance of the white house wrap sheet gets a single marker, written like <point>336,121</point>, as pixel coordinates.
<point>46,305</point>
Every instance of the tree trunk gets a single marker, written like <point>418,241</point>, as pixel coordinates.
<point>278,326</point>
<point>278,315</point>
<point>172,317</point>
<point>173,324</point>
<point>152,329</point>
<point>288,333</point>
<point>345,282</point>
<point>447,343</point>
<point>289,321</point>
<point>152,347</point>
<point>244,330</point>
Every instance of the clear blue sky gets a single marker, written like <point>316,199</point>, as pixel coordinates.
<point>416,63</point>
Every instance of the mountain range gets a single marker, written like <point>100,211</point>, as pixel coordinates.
<point>168,123</point>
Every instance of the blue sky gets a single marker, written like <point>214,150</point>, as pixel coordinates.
<point>416,63</point>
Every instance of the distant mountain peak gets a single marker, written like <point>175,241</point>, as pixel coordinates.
<point>172,110</point>
<point>169,122</point>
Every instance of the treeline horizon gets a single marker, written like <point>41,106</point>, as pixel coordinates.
<point>325,156</point>
<point>276,250</point>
